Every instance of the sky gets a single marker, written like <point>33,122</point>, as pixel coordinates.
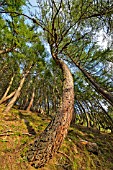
<point>102,37</point>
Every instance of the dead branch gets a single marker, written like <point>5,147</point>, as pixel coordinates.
<point>9,134</point>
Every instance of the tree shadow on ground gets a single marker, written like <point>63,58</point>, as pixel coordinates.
<point>31,130</point>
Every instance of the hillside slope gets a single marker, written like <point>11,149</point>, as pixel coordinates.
<point>83,149</point>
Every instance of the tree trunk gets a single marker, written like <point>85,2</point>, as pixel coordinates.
<point>108,117</point>
<point>31,101</point>
<point>8,97</point>
<point>73,119</point>
<point>17,93</point>
<point>25,103</point>
<point>107,95</point>
<point>7,90</point>
<point>6,50</point>
<point>86,114</point>
<point>50,140</point>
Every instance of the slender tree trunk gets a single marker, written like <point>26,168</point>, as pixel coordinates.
<point>107,95</point>
<point>50,140</point>
<point>8,97</point>
<point>47,103</point>
<point>54,101</point>
<point>86,114</point>
<point>25,103</point>
<point>31,101</point>
<point>108,117</point>
<point>7,90</point>
<point>48,109</point>
<point>17,93</point>
<point>81,113</point>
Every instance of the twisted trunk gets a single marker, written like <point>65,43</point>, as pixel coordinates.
<point>50,140</point>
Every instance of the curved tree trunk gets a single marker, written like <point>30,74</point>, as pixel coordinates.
<point>31,101</point>
<point>16,95</point>
<point>52,137</point>
<point>86,114</point>
<point>8,97</point>
<point>107,95</point>
<point>7,90</point>
<point>17,92</point>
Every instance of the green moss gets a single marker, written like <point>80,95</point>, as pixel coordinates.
<point>24,140</point>
<point>74,166</point>
<point>73,155</point>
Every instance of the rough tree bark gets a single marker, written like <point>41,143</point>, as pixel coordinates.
<point>50,140</point>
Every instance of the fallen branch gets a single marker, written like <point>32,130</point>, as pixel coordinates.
<point>65,156</point>
<point>9,134</point>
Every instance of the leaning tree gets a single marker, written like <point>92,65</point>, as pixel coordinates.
<point>63,23</point>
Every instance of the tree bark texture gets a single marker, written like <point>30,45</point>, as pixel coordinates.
<point>107,95</point>
<point>50,140</point>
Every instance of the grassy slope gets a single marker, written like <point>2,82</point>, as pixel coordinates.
<point>19,128</point>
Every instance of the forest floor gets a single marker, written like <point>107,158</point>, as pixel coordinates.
<point>19,128</point>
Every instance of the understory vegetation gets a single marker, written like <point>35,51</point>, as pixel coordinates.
<point>19,128</point>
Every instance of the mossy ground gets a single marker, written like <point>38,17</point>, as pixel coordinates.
<point>19,128</point>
